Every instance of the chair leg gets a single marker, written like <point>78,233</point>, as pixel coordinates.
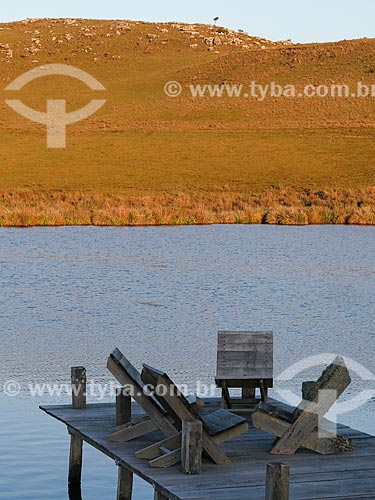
<point>131,432</point>
<point>213,451</point>
<point>263,392</point>
<point>248,392</point>
<point>167,460</point>
<point>226,403</point>
<point>158,449</point>
<point>223,403</point>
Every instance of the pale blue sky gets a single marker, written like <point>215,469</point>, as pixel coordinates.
<point>319,20</point>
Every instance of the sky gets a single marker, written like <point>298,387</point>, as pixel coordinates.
<point>302,21</point>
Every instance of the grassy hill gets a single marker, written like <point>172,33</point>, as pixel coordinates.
<point>146,158</point>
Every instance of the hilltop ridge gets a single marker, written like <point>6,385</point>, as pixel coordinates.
<point>85,35</point>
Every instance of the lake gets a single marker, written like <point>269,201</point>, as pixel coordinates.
<point>70,295</point>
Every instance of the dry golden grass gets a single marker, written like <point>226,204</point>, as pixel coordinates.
<point>147,159</point>
<point>282,206</point>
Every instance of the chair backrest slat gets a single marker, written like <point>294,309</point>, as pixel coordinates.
<point>150,375</point>
<point>135,380</point>
<point>176,403</point>
<point>245,355</point>
<point>153,376</point>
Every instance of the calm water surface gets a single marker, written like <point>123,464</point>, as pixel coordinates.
<point>69,295</point>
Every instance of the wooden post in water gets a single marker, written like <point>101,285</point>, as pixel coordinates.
<point>75,467</point>
<point>192,447</point>
<point>159,495</point>
<point>78,380</point>
<point>277,485</point>
<point>78,376</point>
<point>123,416</point>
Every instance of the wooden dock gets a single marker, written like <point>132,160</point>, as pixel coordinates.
<point>312,476</point>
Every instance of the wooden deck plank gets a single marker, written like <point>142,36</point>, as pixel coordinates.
<point>350,476</point>
<point>317,490</point>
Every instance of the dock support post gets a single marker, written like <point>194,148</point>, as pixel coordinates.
<point>75,467</point>
<point>123,416</point>
<point>78,376</point>
<point>78,380</point>
<point>192,447</point>
<point>277,485</point>
<point>159,495</point>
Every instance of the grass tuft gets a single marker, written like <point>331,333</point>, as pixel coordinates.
<point>273,206</point>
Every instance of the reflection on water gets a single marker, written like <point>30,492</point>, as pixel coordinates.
<point>34,458</point>
<point>69,295</point>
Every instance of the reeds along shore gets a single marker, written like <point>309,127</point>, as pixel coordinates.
<point>221,206</point>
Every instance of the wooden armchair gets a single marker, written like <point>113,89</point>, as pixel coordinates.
<point>302,426</point>
<point>156,417</point>
<point>218,426</point>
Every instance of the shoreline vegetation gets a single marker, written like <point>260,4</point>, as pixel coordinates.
<point>272,206</point>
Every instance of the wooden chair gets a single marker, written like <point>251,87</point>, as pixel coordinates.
<point>218,427</point>
<point>150,377</point>
<point>156,416</point>
<point>301,427</point>
<point>244,360</point>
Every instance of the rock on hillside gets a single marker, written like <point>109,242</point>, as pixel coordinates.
<point>32,38</point>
